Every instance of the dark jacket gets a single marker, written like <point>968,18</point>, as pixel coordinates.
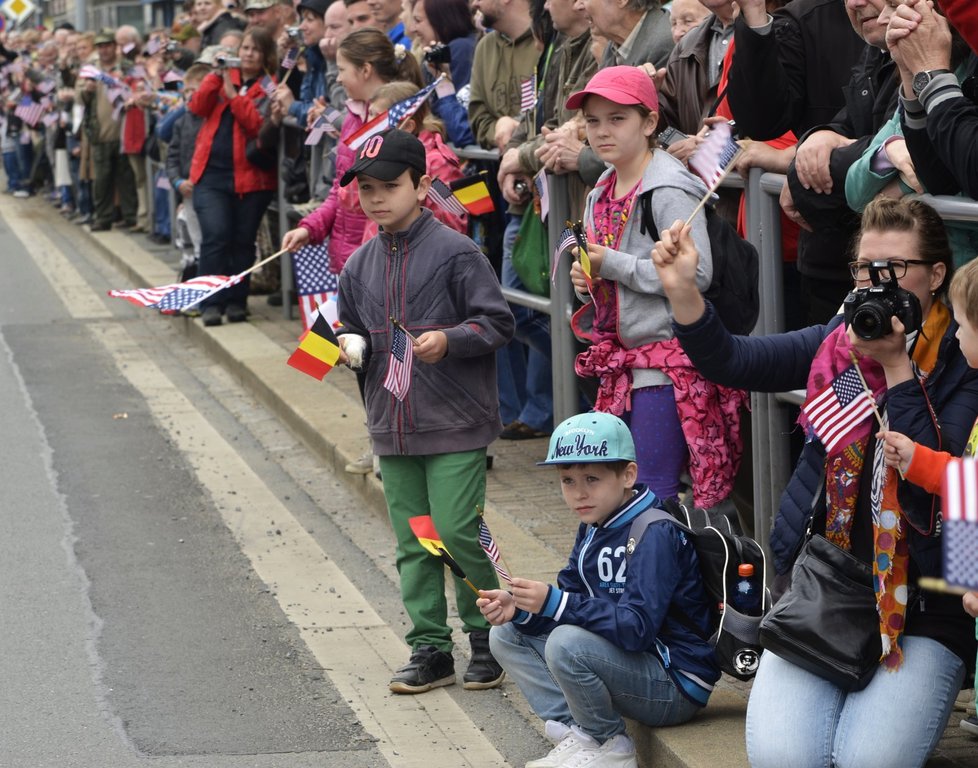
<point>631,608</point>
<point>782,361</point>
<point>429,277</point>
<point>686,94</point>
<point>653,43</point>
<point>940,131</point>
<point>313,85</point>
<point>248,110</point>
<point>792,77</point>
<point>180,150</point>
<point>218,27</point>
<point>870,100</point>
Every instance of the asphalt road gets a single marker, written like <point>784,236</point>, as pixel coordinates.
<point>180,583</point>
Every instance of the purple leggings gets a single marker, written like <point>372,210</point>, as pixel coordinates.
<point>660,445</point>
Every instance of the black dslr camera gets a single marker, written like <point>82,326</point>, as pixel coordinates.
<point>868,310</point>
<point>438,54</point>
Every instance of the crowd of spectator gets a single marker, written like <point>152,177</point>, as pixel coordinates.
<point>852,100</point>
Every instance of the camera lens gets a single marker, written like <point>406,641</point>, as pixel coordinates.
<point>871,321</point>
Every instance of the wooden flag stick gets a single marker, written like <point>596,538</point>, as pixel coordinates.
<point>397,324</point>
<point>869,394</point>
<point>455,568</point>
<point>712,189</point>
<point>940,585</point>
<point>234,279</point>
<point>288,72</point>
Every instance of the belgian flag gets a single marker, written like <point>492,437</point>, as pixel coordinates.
<point>318,350</point>
<point>473,193</point>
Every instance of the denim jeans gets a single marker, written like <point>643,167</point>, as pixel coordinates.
<point>797,719</point>
<point>229,225</point>
<point>533,331</point>
<point>11,167</point>
<point>573,676</point>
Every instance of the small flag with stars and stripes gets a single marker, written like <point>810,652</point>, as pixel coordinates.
<point>398,378</point>
<point>488,544</point>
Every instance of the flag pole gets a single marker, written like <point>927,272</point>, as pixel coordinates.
<point>288,72</point>
<point>869,394</point>
<point>235,279</point>
<point>726,172</point>
<point>397,324</point>
<point>940,585</point>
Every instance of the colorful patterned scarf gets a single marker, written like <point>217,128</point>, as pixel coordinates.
<point>844,467</point>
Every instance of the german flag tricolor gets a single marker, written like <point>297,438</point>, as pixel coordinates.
<point>318,350</point>
<point>423,527</point>
<point>473,193</point>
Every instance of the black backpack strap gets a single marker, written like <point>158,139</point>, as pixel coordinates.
<point>646,222</point>
<point>635,532</point>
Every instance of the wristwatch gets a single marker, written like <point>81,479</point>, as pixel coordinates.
<point>922,79</point>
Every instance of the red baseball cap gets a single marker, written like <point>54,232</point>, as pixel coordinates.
<point>622,85</point>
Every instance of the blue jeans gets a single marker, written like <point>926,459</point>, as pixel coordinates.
<point>533,331</point>
<point>229,225</point>
<point>11,167</point>
<point>574,676</point>
<point>797,719</point>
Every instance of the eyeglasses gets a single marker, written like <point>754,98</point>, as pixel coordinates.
<point>896,268</point>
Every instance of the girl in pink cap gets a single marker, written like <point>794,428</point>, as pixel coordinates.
<point>679,421</point>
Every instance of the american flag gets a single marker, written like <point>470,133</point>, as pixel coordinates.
<point>488,545</point>
<point>543,192</point>
<point>838,408</point>
<point>173,75</point>
<point>91,72</point>
<point>392,117</point>
<point>325,124</point>
<point>45,86</point>
<point>29,111</point>
<point>171,299</point>
<point>153,46</point>
<point>715,154</point>
<point>567,240</point>
<point>314,282</point>
<point>398,378</point>
<point>528,94</point>
<point>290,58</point>
<point>960,525</point>
<point>267,84</point>
<point>441,195</point>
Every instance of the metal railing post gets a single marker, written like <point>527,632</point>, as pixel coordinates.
<point>287,282</point>
<point>566,397</point>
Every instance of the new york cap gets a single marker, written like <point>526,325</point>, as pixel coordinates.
<point>590,438</point>
<point>387,155</point>
<point>622,85</point>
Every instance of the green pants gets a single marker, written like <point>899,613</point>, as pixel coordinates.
<point>113,174</point>
<point>448,487</point>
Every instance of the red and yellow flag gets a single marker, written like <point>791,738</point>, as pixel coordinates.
<point>423,527</point>
<point>473,193</point>
<point>318,350</point>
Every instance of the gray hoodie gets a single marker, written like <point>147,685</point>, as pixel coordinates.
<point>644,314</point>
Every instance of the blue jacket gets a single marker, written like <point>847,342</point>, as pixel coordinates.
<point>630,609</point>
<point>313,85</point>
<point>781,362</point>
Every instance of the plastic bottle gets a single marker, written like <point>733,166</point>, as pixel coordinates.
<point>746,599</point>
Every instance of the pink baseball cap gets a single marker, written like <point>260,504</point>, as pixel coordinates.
<point>622,85</point>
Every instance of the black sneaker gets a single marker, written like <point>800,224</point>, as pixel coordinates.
<point>212,316</point>
<point>236,313</point>
<point>428,668</point>
<point>483,671</point>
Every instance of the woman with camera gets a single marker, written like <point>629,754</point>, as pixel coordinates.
<point>445,27</point>
<point>233,171</point>
<point>924,389</point>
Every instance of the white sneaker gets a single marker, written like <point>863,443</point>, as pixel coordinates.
<point>362,466</point>
<point>567,743</point>
<point>618,752</point>
<point>22,194</point>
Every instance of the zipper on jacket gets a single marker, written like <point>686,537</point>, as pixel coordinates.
<point>580,559</point>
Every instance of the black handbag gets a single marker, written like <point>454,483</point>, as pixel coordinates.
<point>827,622</point>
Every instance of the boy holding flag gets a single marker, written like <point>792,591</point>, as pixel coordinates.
<point>419,291</point>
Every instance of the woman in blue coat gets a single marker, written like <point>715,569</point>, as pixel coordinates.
<point>921,383</point>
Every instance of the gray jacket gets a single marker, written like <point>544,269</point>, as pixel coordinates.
<point>428,277</point>
<point>644,314</point>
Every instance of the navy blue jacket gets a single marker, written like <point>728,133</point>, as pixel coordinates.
<point>782,361</point>
<point>630,609</point>
<point>313,85</point>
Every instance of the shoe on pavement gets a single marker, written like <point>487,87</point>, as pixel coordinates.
<point>212,316</point>
<point>428,668</point>
<point>566,741</point>
<point>362,466</point>
<point>22,194</point>
<point>100,227</point>
<point>970,725</point>
<point>236,313</point>
<point>517,430</point>
<point>618,752</point>
<point>483,671</point>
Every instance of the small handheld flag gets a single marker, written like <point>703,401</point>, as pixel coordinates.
<point>543,193</point>
<point>838,408</point>
<point>713,160</point>
<point>171,299</point>
<point>423,527</point>
<point>528,94</point>
<point>960,525</point>
<point>488,544</point>
<point>318,350</point>
<point>473,193</point>
<point>290,58</point>
<point>391,117</point>
<point>314,281</point>
<point>577,228</point>
<point>440,194</point>
<point>397,381</point>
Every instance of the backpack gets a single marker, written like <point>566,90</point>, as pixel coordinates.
<point>733,289</point>
<point>733,636</point>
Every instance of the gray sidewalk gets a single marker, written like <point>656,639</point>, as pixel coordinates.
<point>524,509</point>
